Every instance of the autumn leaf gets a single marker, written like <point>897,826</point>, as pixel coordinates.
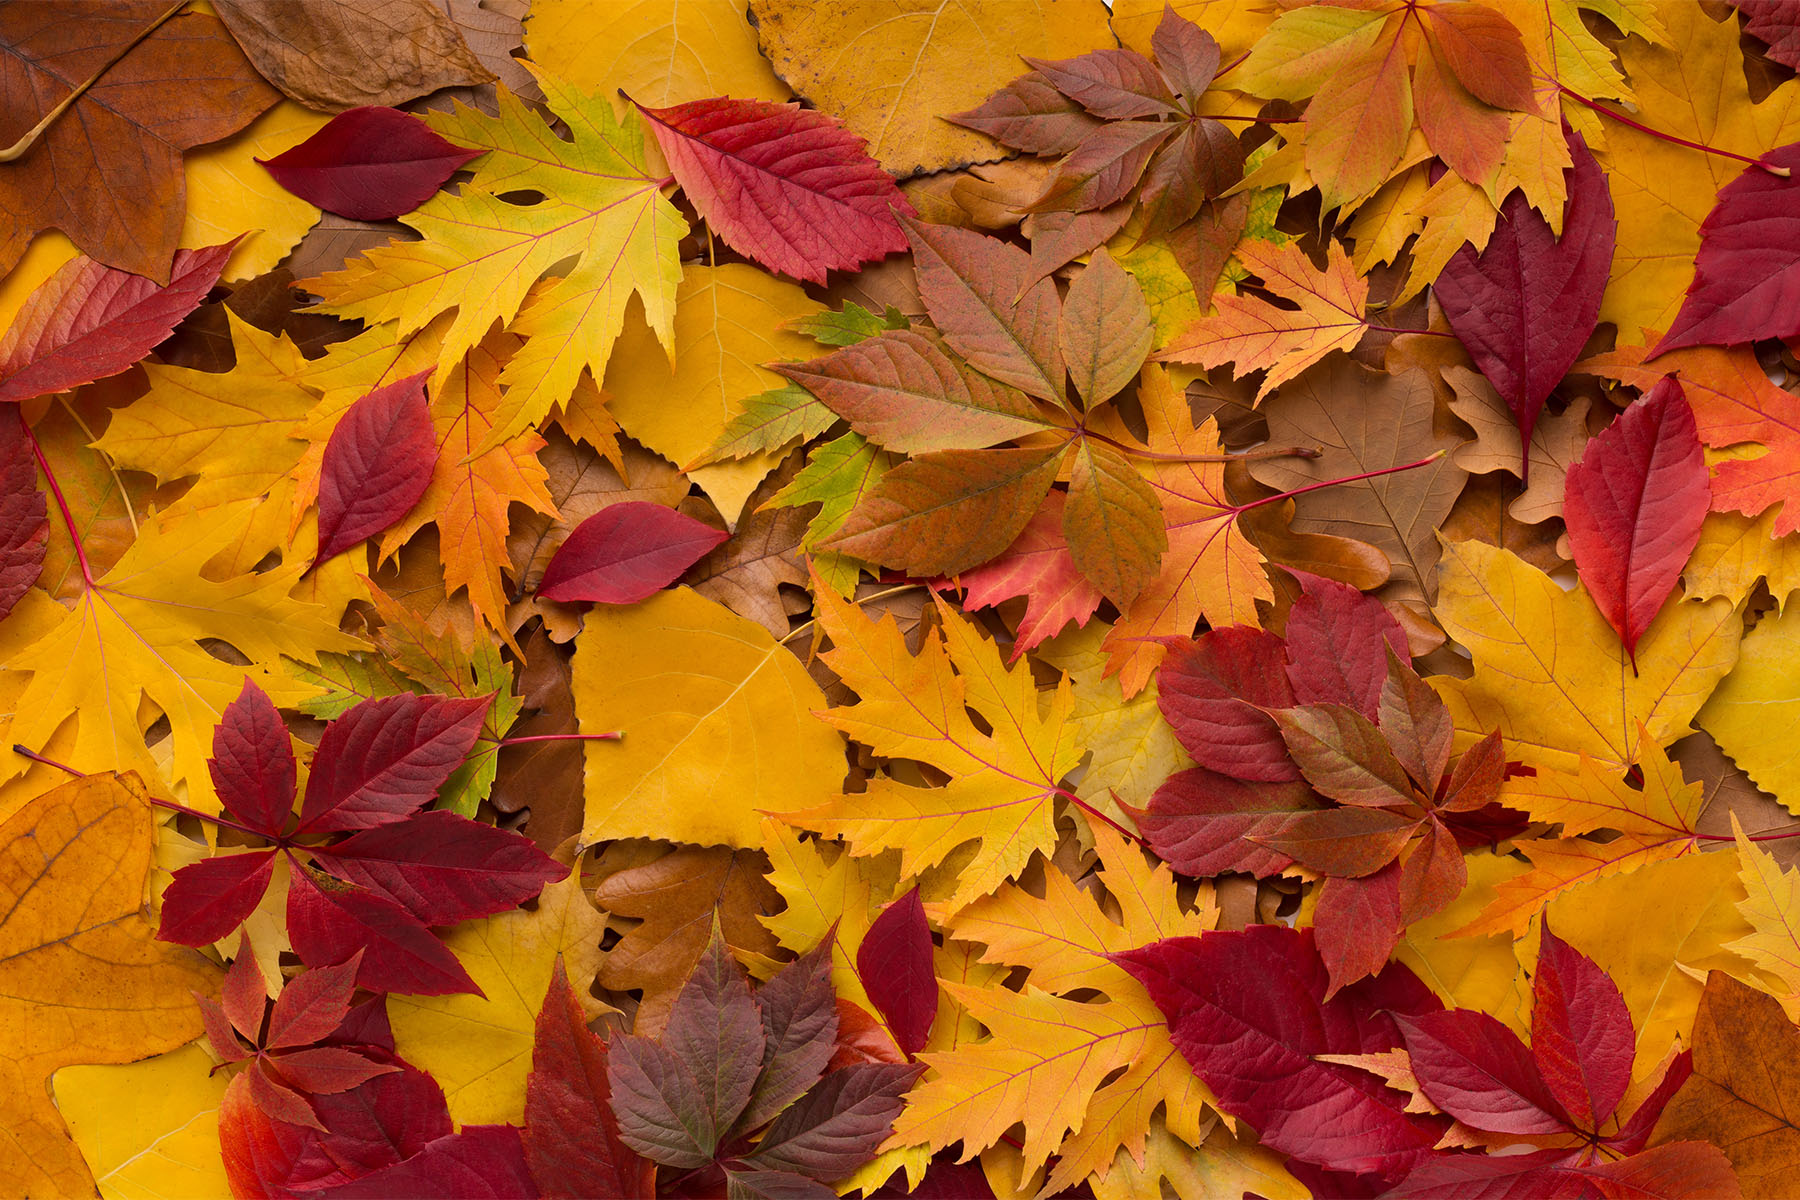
<point>24,519</point>
<point>368,163</point>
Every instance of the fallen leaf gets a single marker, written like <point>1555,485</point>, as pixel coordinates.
<point>894,962</point>
<point>377,465</point>
<point>655,53</point>
<point>368,164</point>
<point>626,553</point>
<point>24,513</point>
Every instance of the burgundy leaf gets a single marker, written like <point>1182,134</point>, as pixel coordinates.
<point>312,1005</point>
<point>894,964</point>
<point>329,920</point>
<point>571,1137</point>
<point>219,1032</point>
<point>1581,1032</point>
<point>625,553</point>
<point>369,164</point>
<point>1110,83</point>
<point>1358,924</point>
<point>206,900</point>
<point>1248,1011</point>
<point>665,1109</point>
<point>800,1027</point>
<point>1634,504</point>
<point>89,321</point>
<point>1634,1132</point>
<point>1337,642</point>
<point>1432,874</point>
<point>1347,842</point>
<point>786,185</point>
<point>1212,691</point>
<point>1526,304</point>
<point>322,1070</point>
<point>1535,1176</point>
<point>386,758</point>
<point>1747,274</point>
<point>1776,22</point>
<point>442,867</point>
<point>839,1125</point>
<point>244,994</point>
<point>377,464</point>
<point>24,520</point>
<point>253,762</point>
<point>478,1162</point>
<point>1477,1070</point>
<point>1030,114</point>
<point>279,1100</point>
<point>1203,823</point>
<point>754,1184</point>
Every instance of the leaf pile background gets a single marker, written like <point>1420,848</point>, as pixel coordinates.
<point>763,598</point>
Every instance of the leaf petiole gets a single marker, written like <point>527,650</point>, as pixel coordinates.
<point>34,756</point>
<point>62,504</point>
<point>1622,119</point>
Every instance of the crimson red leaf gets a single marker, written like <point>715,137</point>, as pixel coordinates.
<point>1634,1132</point>
<point>1526,304</point>
<point>1337,641</point>
<point>625,553</point>
<point>385,758</point>
<point>1581,1032</point>
<point>894,964</point>
<point>1039,567</point>
<point>1203,823</point>
<point>377,464</point>
<point>1248,1011</point>
<point>253,762</point>
<point>1634,504</point>
<point>478,1162</point>
<point>24,523</point>
<point>1776,22</point>
<point>322,1070</point>
<point>207,900</point>
<point>329,920</point>
<point>219,1031</point>
<point>1477,1070</point>
<point>786,185</point>
<point>800,1027</point>
<point>838,1126</point>
<point>312,1005</point>
<point>1677,1171</point>
<point>442,867</point>
<point>1358,924</point>
<point>1747,274</point>
<point>1212,691</point>
<point>1432,874</point>
<point>368,164</point>
<point>89,321</point>
<point>279,1100</point>
<point>572,1142</point>
<point>245,993</point>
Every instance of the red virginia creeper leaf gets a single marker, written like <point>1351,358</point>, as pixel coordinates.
<point>1343,755</point>
<point>478,1162</point>
<point>1203,823</point>
<point>206,900</point>
<point>312,1004</point>
<point>1358,924</point>
<point>384,759</point>
<point>626,553</point>
<point>89,321</point>
<point>786,185</point>
<point>24,519</point>
<point>442,867</point>
<point>369,164</point>
<point>1634,506</point>
<point>1039,567</point>
<point>1030,114</point>
<point>1186,54</point>
<point>800,1026</point>
<point>1477,1070</point>
<point>1341,842</point>
<point>252,765</point>
<point>1776,22</point>
<point>1335,645</point>
<point>839,1125</point>
<point>1110,83</point>
<point>1213,689</point>
<point>1526,305</point>
<point>894,964</point>
<point>328,921</point>
<point>1581,1032</point>
<point>377,464</point>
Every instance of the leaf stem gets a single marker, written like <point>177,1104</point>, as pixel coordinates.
<point>1096,815</point>
<point>23,146</point>
<point>801,628</point>
<point>1325,483</point>
<point>1373,328</point>
<point>1622,119</point>
<point>1761,837</point>
<point>1261,452</point>
<point>34,756</point>
<point>62,505</point>
<point>221,819</point>
<point>614,736</point>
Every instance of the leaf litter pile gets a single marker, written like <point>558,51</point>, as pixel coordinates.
<point>781,600</point>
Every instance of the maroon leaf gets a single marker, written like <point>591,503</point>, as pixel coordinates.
<point>1477,1070</point>
<point>1415,722</point>
<point>1030,114</point>
<point>1676,1171</point>
<point>1213,689</point>
<point>1337,641</point>
<point>785,185</point>
<point>1526,305</point>
<point>1747,274</point>
<point>1203,823</point>
<point>329,921</point>
<point>625,553</point>
<point>369,164</point>
<point>1776,22</point>
<point>442,867</point>
<point>572,1140</point>
<point>385,758</point>
<point>1634,1132</point>
<point>24,520</point>
<point>1110,83</point>
<point>206,900</point>
<point>253,762</point>
<point>800,1028</point>
<point>1248,1011</point>
<point>839,1125</point>
<point>1634,504</point>
<point>1581,1032</point>
<point>1358,925</point>
<point>322,1070</point>
<point>377,464</point>
<point>894,964</point>
<point>89,321</point>
<point>477,1162</point>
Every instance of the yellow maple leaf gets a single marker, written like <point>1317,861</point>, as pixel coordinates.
<point>727,324</point>
<point>602,205</point>
<point>657,53</point>
<point>82,977</point>
<point>471,489</point>
<point>1048,1060</point>
<point>1759,700</point>
<point>1772,906</point>
<point>1471,972</point>
<point>1255,335</point>
<point>1223,1164</point>
<point>1736,551</point>
<point>1003,785</point>
<point>1212,570</point>
<point>1550,673</point>
<point>1693,87</point>
<point>148,1129</point>
<point>718,721</point>
<point>478,1048</point>
<point>136,636</point>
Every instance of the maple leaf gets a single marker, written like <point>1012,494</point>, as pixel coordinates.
<point>1050,1056</point>
<point>1738,713</point>
<point>76,935</point>
<point>481,254</point>
<point>107,173</point>
<point>369,164</point>
<point>1003,785</point>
